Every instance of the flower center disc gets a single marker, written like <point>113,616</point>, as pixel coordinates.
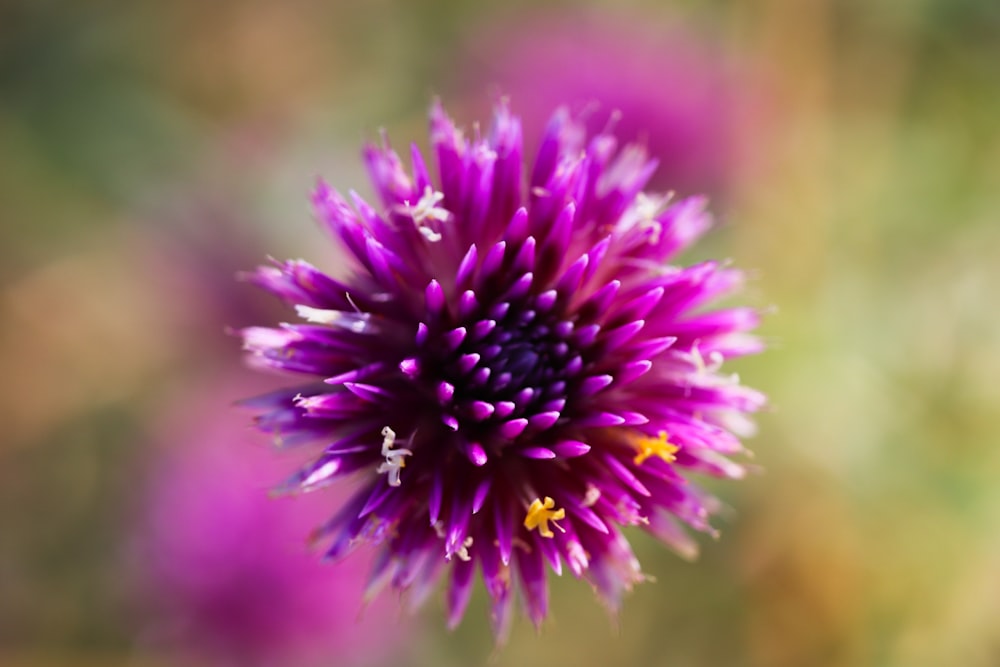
<point>512,368</point>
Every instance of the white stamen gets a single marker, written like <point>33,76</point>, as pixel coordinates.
<point>264,339</point>
<point>705,372</point>
<point>427,211</point>
<point>394,460</point>
<point>463,551</point>
<point>643,215</point>
<point>715,360</point>
<point>347,295</point>
<point>429,234</point>
<point>357,322</point>
<point>592,496</point>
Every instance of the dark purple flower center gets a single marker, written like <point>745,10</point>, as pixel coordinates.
<point>504,371</point>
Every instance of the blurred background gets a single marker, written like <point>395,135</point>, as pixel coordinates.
<point>150,150</point>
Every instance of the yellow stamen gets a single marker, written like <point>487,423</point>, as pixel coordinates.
<point>540,513</point>
<point>658,446</point>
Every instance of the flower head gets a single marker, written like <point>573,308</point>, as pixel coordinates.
<point>221,575</point>
<point>665,82</point>
<point>513,373</point>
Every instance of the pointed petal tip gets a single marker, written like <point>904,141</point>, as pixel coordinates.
<point>570,448</point>
<point>321,191</point>
<point>513,428</point>
<point>477,455</point>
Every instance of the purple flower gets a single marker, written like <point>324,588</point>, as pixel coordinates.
<point>672,85</point>
<point>511,373</point>
<point>222,572</point>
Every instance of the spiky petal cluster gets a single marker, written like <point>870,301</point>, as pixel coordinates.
<point>512,372</point>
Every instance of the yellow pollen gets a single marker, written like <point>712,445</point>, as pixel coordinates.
<point>540,513</point>
<point>658,446</point>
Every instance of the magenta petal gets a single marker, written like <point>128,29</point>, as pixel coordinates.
<point>460,591</point>
<point>543,420</point>
<point>634,418</point>
<point>639,308</point>
<point>537,453</point>
<point>467,305</point>
<point>434,296</point>
<point>463,276</point>
<point>481,410</point>
<point>410,366</point>
<point>513,428</point>
<point>615,338</point>
<point>380,493</point>
<point>482,328</point>
<point>545,300</point>
<point>468,361</point>
<point>601,420</point>
<point>493,260</point>
<point>594,384</point>
<point>482,490</point>
<point>454,338</point>
<point>423,333</point>
<point>525,260</point>
<point>367,392</point>
<point>621,471</point>
<point>476,453</point>
<point>570,448</point>
<point>632,371</point>
<point>445,392</point>
<point>434,501</point>
<point>531,569</point>
<point>504,531</point>
<point>570,280</point>
<point>504,408</point>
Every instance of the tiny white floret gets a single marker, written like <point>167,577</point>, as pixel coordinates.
<point>394,460</point>
<point>644,215</point>
<point>463,551</point>
<point>428,213</point>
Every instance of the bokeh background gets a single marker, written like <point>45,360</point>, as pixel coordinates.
<point>150,150</point>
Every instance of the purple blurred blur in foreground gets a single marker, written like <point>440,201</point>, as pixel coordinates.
<point>225,575</point>
<point>672,86</point>
<point>510,373</point>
